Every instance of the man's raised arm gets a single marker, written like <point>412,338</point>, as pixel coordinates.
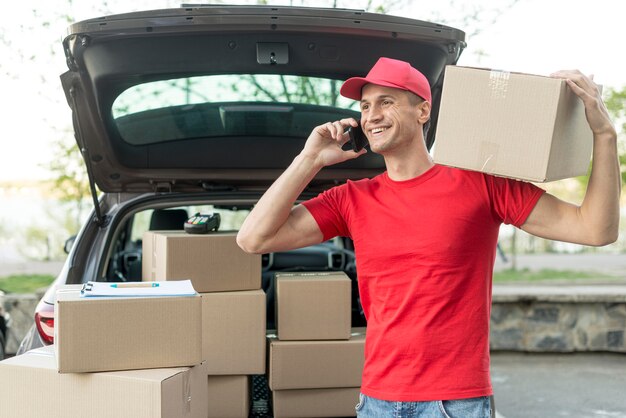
<point>596,221</point>
<point>275,224</point>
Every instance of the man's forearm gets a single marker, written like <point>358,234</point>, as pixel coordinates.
<point>600,207</point>
<point>273,209</point>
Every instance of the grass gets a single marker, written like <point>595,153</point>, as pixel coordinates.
<point>25,283</point>
<point>29,283</point>
<point>526,275</point>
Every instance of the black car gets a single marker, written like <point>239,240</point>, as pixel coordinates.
<point>200,109</point>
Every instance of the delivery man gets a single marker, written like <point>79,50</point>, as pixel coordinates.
<point>425,239</point>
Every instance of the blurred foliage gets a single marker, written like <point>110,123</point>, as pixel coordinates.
<point>615,101</point>
<point>37,243</point>
<point>25,283</point>
<point>526,275</point>
<point>70,179</point>
<point>44,239</point>
<point>616,104</point>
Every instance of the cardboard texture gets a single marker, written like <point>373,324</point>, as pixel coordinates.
<point>313,306</point>
<point>213,262</point>
<point>38,390</point>
<point>229,396</point>
<point>233,332</point>
<point>102,334</point>
<point>316,364</point>
<point>337,402</point>
<point>514,125</point>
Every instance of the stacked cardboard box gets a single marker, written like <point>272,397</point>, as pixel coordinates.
<point>233,309</point>
<point>315,361</point>
<point>134,342</point>
<point>213,262</point>
<point>38,390</point>
<point>113,333</point>
<point>218,335</point>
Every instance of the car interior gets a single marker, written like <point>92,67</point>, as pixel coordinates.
<point>337,254</point>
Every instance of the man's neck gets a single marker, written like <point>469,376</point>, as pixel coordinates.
<point>408,165</point>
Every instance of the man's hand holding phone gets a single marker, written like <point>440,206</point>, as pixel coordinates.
<point>358,140</point>
<point>325,143</point>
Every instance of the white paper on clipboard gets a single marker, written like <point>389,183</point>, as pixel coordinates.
<point>134,289</point>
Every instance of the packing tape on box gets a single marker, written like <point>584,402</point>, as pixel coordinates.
<point>488,156</point>
<point>187,392</point>
<point>154,252</point>
<point>312,274</point>
<point>499,83</point>
<point>154,258</point>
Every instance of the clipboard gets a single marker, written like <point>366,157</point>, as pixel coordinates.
<point>138,289</point>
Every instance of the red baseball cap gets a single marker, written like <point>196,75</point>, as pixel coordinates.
<point>389,72</point>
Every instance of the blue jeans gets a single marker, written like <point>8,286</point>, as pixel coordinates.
<point>462,408</point>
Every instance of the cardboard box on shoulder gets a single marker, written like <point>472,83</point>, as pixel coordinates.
<point>126,333</point>
<point>233,332</point>
<point>229,396</point>
<point>305,403</point>
<point>316,364</point>
<point>313,306</point>
<point>213,262</point>
<point>521,126</point>
<point>37,390</point>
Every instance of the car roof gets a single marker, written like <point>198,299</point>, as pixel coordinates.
<point>111,55</point>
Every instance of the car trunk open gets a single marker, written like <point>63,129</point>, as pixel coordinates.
<point>145,150</point>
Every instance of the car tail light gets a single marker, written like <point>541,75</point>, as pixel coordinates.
<point>44,320</point>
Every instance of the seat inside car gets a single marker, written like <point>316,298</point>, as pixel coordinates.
<point>161,220</point>
<point>168,219</point>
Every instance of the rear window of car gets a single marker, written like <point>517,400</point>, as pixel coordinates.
<point>228,105</point>
<point>231,218</point>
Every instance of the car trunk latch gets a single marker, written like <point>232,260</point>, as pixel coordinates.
<point>162,186</point>
<point>272,53</point>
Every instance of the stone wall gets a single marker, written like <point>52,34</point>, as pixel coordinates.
<point>559,319</point>
<point>534,319</point>
<point>558,327</point>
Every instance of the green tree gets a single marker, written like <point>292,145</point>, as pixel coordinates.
<point>616,105</point>
<point>615,101</point>
<point>70,179</point>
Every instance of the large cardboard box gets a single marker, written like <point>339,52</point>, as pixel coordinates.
<point>313,306</point>
<point>336,402</point>
<point>108,333</point>
<point>316,364</point>
<point>229,396</point>
<point>233,332</point>
<point>213,262</point>
<point>515,125</point>
<point>33,389</point>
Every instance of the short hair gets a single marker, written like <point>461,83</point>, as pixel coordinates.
<point>414,100</point>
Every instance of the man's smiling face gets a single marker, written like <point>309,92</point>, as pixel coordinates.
<point>389,118</point>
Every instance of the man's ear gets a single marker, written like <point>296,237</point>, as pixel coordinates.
<point>423,112</point>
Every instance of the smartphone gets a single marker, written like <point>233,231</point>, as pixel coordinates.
<point>358,140</point>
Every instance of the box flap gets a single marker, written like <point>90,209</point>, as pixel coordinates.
<point>573,139</point>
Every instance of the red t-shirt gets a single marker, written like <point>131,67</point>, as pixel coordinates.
<point>425,250</point>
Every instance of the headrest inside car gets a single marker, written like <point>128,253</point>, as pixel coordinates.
<point>168,219</point>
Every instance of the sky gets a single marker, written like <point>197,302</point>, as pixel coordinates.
<point>533,36</point>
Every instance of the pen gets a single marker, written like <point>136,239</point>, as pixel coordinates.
<point>138,284</point>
